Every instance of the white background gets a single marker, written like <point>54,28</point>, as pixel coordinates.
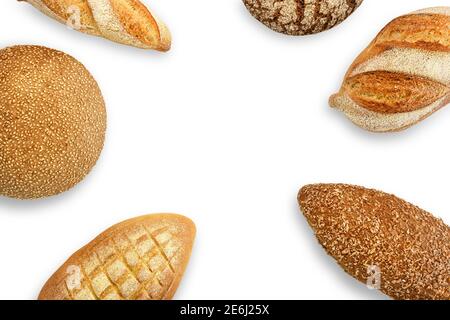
<point>225,128</point>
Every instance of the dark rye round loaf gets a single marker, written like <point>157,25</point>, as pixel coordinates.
<point>300,17</point>
<point>367,230</point>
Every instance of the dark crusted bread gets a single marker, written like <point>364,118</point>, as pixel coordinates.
<point>366,229</point>
<point>300,17</point>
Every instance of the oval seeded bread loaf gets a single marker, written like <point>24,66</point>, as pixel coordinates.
<point>142,258</point>
<point>372,233</point>
<point>298,17</point>
<point>403,76</point>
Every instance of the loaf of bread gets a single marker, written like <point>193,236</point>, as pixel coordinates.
<point>298,17</point>
<point>139,259</point>
<point>127,22</point>
<point>403,76</point>
<point>52,122</point>
<point>381,240</point>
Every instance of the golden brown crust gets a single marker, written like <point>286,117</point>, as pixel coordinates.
<point>390,92</point>
<point>414,50</point>
<point>52,122</point>
<point>139,23</point>
<point>141,258</point>
<point>419,31</point>
<point>399,121</point>
<point>61,9</point>
<point>124,21</point>
<point>363,228</point>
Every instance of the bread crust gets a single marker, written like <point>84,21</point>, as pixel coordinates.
<point>127,22</point>
<point>299,17</point>
<point>52,122</point>
<point>364,228</point>
<point>414,50</point>
<point>156,270</point>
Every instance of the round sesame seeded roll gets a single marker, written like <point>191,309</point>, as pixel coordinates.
<point>52,122</point>
<point>381,240</point>
<point>301,17</point>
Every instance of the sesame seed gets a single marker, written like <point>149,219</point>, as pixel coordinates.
<point>52,122</point>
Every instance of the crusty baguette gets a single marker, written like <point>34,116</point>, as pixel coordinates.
<point>403,76</point>
<point>124,21</point>
<point>299,17</point>
<point>367,230</point>
<point>142,258</point>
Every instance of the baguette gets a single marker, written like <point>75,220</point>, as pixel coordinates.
<point>142,258</point>
<point>370,231</point>
<point>403,76</point>
<point>298,17</point>
<point>127,22</point>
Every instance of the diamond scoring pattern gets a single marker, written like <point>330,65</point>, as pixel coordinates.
<point>136,264</point>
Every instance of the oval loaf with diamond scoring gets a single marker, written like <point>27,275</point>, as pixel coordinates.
<point>300,17</point>
<point>139,259</point>
<point>381,240</point>
<point>403,76</point>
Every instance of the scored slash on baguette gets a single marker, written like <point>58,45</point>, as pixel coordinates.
<point>127,22</point>
<point>139,259</point>
<point>362,228</point>
<point>403,76</point>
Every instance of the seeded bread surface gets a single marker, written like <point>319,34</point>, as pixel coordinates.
<point>52,122</point>
<point>363,228</point>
